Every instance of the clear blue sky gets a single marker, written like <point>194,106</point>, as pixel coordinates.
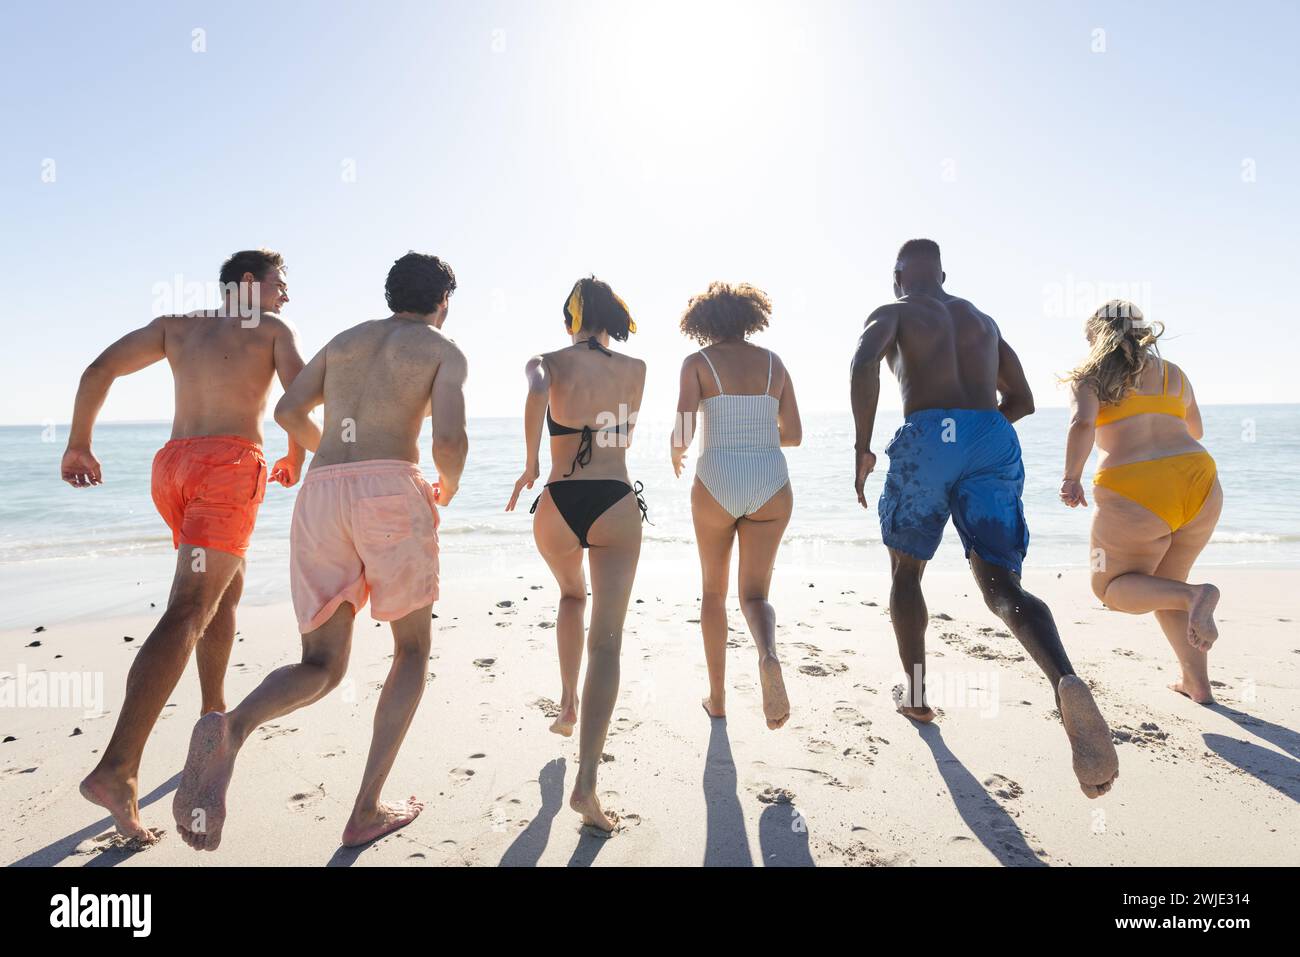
<point>791,145</point>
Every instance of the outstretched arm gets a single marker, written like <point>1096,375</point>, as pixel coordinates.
<point>879,336</point>
<point>1017,399</point>
<point>288,363</point>
<point>304,393</point>
<point>450,442</point>
<point>539,387</point>
<point>133,352</point>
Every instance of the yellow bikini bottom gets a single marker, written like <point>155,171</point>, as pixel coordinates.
<point>1175,487</point>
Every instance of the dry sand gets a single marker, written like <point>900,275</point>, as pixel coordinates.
<point>846,782</point>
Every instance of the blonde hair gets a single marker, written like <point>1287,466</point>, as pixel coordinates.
<point>1123,341</point>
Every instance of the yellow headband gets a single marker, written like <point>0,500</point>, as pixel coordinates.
<point>573,311</point>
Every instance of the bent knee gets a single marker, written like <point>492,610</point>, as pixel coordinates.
<point>333,666</point>
<point>1003,600</point>
<point>189,611</point>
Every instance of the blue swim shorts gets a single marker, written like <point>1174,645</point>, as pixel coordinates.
<point>960,462</point>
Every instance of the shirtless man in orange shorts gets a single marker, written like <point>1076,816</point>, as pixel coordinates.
<point>208,482</point>
<point>365,528</point>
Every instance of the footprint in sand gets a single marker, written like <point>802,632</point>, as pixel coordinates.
<point>1002,786</point>
<point>776,796</point>
<point>820,746</point>
<point>865,849</point>
<point>546,706</point>
<point>461,775</point>
<point>824,670</point>
<point>1146,735</point>
<point>859,755</point>
<point>111,841</point>
<point>850,715</point>
<point>306,799</point>
<point>484,662</point>
<point>274,731</point>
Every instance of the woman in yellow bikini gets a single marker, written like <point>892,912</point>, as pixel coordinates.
<point>1157,492</point>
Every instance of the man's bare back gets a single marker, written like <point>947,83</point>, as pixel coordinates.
<point>378,386</point>
<point>945,353</point>
<point>223,364</point>
<point>223,368</point>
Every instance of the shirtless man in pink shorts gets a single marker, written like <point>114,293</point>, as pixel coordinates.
<point>364,527</point>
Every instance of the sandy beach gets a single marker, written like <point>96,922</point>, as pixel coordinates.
<point>846,782</point>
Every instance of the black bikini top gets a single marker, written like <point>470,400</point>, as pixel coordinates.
<point>584,445</point>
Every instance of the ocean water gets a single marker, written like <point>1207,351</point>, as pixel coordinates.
<point>66,551</point>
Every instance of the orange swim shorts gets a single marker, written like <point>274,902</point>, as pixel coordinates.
<point>363,530</point>
<point>208,489</point>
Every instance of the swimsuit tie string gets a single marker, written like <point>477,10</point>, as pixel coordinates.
<point>637,489</point>
<point>583,458</point>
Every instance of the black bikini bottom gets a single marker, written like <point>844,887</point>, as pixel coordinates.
<point>582,501</point>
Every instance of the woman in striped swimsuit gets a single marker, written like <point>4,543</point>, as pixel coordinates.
<point>747,412</point>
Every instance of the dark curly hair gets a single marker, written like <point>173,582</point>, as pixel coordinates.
<point>726,311</point>
<point>417,283</point>
<point>602,310</point>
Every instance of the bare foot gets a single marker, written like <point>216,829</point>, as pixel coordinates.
<point>364,827</point>
<point>118,798</point>
<point>200,803</point>
<point>1096,764</point>
<point>1198,692</point>
<point>713,710</point>
<point>921,713</point>
<point>776,704</point>
<point>567,720</point>
<point>588,805</point>
<point>1201,629</point>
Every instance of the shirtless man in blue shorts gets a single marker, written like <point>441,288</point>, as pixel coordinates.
<point>957,455</point>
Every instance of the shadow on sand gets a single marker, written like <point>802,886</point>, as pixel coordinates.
<point>993,826</point>
<point>725,842</point>
<point>63,848</point>
<point>526,849</point>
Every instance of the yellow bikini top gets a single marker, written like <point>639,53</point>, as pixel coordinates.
<point>1136,404</point>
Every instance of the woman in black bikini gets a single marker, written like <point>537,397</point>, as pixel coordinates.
<point>588,397</point>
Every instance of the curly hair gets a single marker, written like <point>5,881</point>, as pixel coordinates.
<point>418,283</point>
<point>1123,341</point>
<point>726,311</point>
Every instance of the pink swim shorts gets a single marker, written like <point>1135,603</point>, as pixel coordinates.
<point>363,530</point>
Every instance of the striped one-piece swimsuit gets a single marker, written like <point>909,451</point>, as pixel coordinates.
<point>741,462</point>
